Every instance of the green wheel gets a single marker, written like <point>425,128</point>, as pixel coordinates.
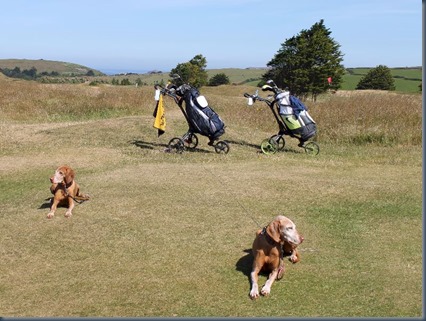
<point>269,146</point>
<point>279,140</point>
<point>312,148</point>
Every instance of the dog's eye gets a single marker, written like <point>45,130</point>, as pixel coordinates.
<point>288,228</point>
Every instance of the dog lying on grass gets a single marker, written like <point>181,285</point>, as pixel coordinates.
<point>278,239</point>
<point>65,190</point>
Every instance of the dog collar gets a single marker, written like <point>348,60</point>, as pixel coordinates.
<point>268,238</point>
<point>67,185</point>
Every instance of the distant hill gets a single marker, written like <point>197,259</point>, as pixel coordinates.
<point>63,68</point>
<point>407,79</point>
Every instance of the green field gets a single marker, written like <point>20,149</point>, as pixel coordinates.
<point>169,235</point>
<point>407,80</point>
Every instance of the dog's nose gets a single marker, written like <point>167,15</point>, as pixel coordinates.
<point>301,238</point>
<point>51,179</point>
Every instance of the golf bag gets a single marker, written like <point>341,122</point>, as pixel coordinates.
<point>295,116</point>
<point>201,118</point>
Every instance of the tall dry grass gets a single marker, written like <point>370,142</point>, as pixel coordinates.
<point>360,117</point>
<point>347,117</point>
<point>351,117</point>
<point>31,101</point>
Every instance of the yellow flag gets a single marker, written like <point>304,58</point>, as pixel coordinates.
<point>160,118</point>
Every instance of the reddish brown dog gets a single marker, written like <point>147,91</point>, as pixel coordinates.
<point>278,239</point>
<point>65,190</point>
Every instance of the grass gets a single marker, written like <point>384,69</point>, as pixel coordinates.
<point>167,235</point>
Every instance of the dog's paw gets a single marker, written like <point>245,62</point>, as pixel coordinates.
<point>294,258</point>
<point>254,294</point>
<point>265,291</point>
<point>50,215</point>
<point>68,214</point>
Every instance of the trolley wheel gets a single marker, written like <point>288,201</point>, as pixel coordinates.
<point>312,148</point>
<point>279,140</point>
<point>221,147</point>
<point>191,141</point>
<point>176,144</point>
<point>269,146</point>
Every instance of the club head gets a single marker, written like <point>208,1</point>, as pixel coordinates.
<point>271,83</point>
<point>267,88</point>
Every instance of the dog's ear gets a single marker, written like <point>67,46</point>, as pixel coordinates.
<point>274,230</point>
<point>68,174</point>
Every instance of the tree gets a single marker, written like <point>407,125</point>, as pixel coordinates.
<point>379,78</point>
<point>192,72</point>
<point>219,79</point>
<point>306,61</point>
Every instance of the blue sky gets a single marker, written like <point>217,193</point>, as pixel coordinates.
<point>143,35</point>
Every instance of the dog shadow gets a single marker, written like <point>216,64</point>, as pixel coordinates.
<point>245,265</point>
<point>46,203</point>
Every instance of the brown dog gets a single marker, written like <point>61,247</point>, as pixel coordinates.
<point>65,190</point>
<point>278,239</point>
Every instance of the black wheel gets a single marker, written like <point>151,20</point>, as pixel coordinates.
<point>221,147</point>
<point>279,141</point>
<point>176,145</point>
<point>269,146</point>
<point>312,148</point>
<point>190,141</point>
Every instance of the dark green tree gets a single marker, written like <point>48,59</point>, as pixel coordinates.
<point>219,79</point>
<point>125,82</point>
<point>306,61</point>
<point>379,78</point>
<point>192,72</point>
<point>30,73</point>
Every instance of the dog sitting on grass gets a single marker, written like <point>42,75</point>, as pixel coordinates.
<point>65,190</point>
<point>276,240</point>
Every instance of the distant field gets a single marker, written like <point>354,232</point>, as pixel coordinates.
<point>406,79</point>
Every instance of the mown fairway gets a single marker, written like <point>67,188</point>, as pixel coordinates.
<point>168,235</point>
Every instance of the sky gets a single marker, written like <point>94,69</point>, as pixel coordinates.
<point>145,35</point>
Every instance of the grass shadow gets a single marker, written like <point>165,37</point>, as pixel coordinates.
<point>243,143</point>
<point>150,145</point>
<point>146,145</point>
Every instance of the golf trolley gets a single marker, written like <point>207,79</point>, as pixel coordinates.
<point>292,121</point>
<point>201,118</point>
